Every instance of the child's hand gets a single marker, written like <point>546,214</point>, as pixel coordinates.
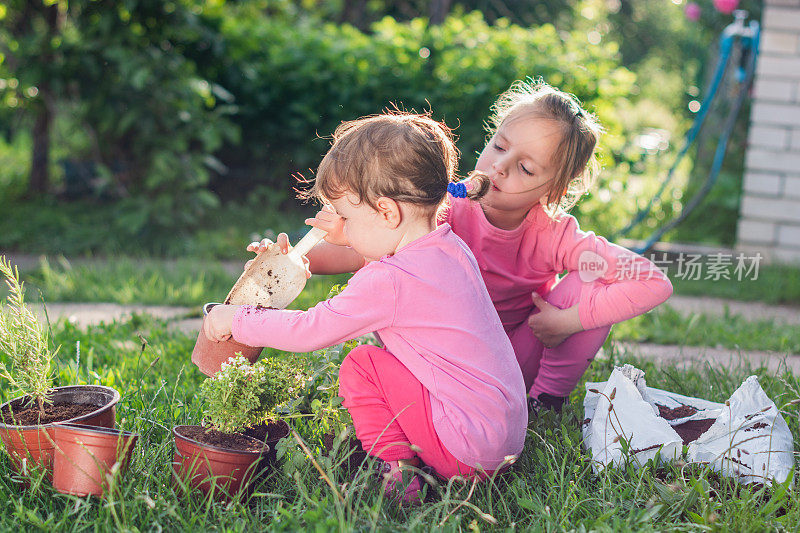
<point>552,325</point>
<point>266,244</point>
<point>327,219</point>
<point>258,247</point>
<point>218,323</point>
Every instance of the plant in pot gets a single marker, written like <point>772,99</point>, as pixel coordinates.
<point>289,381</point>
<point>26,422</point>
<point>325,405</point>
<point>240,396</point>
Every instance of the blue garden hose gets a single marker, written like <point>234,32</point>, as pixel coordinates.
<point>749,43</point>
<point>747,69</point>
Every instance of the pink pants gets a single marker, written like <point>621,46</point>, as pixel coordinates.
<point>391,409</point>
<point>558,370</point>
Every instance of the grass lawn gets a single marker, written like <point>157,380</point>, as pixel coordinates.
<point>193,281</point>
<point>551,488</point>
<point>665,325</point>
<point>775,284</point>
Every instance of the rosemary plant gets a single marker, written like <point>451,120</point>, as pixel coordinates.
<point>24,342</point>
<point>242,395</point>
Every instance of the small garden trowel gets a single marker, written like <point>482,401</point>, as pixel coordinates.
<point>274,279</point>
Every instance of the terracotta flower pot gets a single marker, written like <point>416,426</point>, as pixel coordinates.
<point>209,355</point>
<point>204,466</point>
<point>86,455</point>
<point>35,443</point>
<point>270,433</point>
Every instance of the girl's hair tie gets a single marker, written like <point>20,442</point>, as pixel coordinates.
<point>457,190</point>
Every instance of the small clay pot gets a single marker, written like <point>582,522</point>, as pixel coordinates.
<point>203,466</point>
<point>209,355</point>
<point>35,444</point>
<point>85,455</point>
<point>271,433</point>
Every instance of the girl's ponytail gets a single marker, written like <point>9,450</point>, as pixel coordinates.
<point>474,187</point>
<point>479,185</point>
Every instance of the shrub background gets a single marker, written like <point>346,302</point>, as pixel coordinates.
<point>163,115</point>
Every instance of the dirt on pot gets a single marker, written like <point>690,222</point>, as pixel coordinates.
<point>95,404</point>
<point>270,431</point>
<point>204,466</point>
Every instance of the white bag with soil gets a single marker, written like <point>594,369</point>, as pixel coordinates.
<point>746,438</point>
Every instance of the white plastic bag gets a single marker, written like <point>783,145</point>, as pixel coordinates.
<point>618,411</point>
<point>746,438</point>
<point>750,440</point>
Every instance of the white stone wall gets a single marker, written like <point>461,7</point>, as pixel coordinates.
<point>769,219</point>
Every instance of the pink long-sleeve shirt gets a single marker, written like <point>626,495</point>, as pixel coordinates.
<point>429,305</point>
<point>619,283</point>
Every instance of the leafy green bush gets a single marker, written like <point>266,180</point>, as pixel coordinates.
<point>180,103</point>
<point>149,123</point>
<point>159,121</point>
<point>295,81</point>
<point>241,395</point>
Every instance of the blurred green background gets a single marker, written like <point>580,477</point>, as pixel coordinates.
<point>176,128</point>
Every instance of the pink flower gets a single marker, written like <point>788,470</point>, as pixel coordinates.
<point>692,11</point>
<point>726,6</point>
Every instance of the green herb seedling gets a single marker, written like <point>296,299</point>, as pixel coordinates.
<point>25,342</point>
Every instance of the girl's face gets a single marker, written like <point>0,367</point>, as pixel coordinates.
<point>366,230</point>
<point>519,161</point>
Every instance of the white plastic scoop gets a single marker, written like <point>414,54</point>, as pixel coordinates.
<point>274,279</point>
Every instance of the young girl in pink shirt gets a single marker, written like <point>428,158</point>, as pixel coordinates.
<point>446,380</point>
<point>540,160</point>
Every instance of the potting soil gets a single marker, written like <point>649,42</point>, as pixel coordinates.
<point>690,431</point>
<point>676,412</point>
<point>268,432</point>
<point>231,441</point>
<point>56,412</point>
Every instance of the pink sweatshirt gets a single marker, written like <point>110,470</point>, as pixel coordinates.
<point>428,304</point>
<point>516,262</point>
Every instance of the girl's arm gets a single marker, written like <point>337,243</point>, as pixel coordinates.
<point>327,258</point>
<point>324,258</point>
<point>617,283</point>
<point>365,305</point>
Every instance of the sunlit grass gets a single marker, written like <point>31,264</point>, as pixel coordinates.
<point>552,487</point>
<point>665,325</point>
<point>191,281</point>
<point>132,280</point>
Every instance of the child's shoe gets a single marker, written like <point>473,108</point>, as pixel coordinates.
<point>546,401</point>
<point>410,493</point>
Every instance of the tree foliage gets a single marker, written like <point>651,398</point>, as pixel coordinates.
<point>176,103</point>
